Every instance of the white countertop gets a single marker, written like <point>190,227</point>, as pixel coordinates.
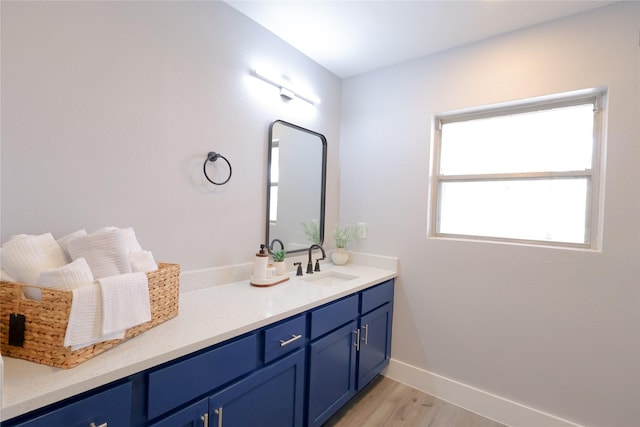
<point>207,316</point>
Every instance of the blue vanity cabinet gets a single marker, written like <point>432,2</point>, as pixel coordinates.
<point>111,406</point>
<point>179,382</point>
<point>357,348</point>
<point>332,373</point>
<point>376,310</point>
<point>271,397</point>
<point>375,344</point>
<point>238,389</point>
<point>332,358</point>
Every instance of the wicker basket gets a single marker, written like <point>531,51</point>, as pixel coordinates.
<point>46,320</point>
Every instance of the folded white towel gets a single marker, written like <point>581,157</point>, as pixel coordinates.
<point>67,277</point>
<point>125,302</point>
<point>142,261</point>
<point>25,256</point>
<point>63,242</point>
<point>85,319</point>
<point>105,252</point>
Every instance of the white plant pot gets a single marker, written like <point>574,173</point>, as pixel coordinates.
<point>281,267</point>
<point>340,256</point>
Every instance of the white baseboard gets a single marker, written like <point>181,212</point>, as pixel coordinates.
<point>475,400</point>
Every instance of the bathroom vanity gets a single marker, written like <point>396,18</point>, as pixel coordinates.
<point>236,355</point>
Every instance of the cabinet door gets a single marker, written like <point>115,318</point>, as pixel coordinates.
<point>375,344</point>
<point>270,397</point>
<point>332,373</point>
<point>192,416</point>
<point>112,407</point>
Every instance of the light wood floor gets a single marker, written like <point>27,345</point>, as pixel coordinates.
<point>386,402</point>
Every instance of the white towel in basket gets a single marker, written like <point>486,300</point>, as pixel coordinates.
<point>64,241</point>
<point>125,302</point>
<point>128,234</point>
<point>25,256</point>
<point>142,261</point>
<point>67,277</point>
<point>85,319</point>
<point>132,241</point>
<point>105,251</point>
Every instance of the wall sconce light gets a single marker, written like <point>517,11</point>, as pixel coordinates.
<point>286,91</point>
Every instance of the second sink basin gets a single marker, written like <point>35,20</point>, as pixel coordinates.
<point>329,278</point>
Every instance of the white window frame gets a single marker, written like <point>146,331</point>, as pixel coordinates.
<point>594,175</point>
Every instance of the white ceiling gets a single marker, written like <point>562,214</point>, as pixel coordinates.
<point>353,37</point>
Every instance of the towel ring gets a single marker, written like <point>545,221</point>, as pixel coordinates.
<point>212,157</point>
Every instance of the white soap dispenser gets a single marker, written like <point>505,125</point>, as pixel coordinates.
<point>260,264</point>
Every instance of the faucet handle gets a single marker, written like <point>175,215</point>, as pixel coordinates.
<point>317,264</point>
<point>299,271</point>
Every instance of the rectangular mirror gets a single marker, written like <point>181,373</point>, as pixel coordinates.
<point>296,175</point>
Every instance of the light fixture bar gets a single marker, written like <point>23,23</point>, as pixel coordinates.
<point>285,91</point>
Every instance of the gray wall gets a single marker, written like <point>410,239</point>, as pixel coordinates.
<point>109,110</point>
<point>557,330</point>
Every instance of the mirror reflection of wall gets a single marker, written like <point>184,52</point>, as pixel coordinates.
<point>296,183</point>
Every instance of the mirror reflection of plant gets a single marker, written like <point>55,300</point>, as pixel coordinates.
<point>312,231</point>
<point>279,256</point>
<point>344,234</point>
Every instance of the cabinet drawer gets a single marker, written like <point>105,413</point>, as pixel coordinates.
<point>376,296</point>
<point>112,406</point>
<point>284,337</point>
<point>183,381</point>
<point>333,315</point>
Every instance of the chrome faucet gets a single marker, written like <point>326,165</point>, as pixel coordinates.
<point>310,264</point>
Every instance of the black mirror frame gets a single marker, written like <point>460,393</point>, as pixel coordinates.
<point>323,184</point>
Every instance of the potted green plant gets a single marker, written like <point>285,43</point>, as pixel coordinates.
<point>278,261</point>
<point>342,235</point>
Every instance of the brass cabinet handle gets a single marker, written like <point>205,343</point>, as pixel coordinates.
<point>205,419</point>
<point>290,340</point>
<point>219,412</point>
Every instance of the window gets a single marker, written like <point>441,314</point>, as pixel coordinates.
<point>527,173</point>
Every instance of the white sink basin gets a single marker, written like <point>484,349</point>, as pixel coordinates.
<point>328,278</point>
